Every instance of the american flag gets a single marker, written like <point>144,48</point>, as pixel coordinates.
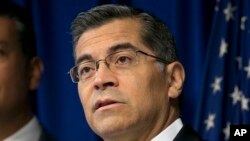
<point>226,87</point>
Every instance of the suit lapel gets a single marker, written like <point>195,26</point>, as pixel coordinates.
<point>187,134</point>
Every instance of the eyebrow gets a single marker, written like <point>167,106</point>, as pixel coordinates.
<point>123,46</point>
<point>83,58</point>
<point>112,49</point>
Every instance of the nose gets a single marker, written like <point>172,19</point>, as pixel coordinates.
<point>104,77</point>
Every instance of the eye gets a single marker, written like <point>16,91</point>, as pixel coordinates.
<point>2,51</point>
<point>122,60</point>
<point>85,70</point>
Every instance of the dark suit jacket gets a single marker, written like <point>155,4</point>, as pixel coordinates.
<point>187,134</point>
<point>46,136</point>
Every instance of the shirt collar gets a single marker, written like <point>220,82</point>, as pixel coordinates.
<point>29,132</point>
<point>170,132</point>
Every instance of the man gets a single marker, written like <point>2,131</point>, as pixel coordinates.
<point>128,75</point>
<point>20,73</point>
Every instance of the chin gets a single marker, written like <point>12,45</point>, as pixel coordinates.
<point>110,127</point>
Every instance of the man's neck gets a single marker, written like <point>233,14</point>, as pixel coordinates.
<point>10,125</point>
<point>147,133</point>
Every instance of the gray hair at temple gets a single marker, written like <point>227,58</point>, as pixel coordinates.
<point>154,33</point>
<point>24,26</point>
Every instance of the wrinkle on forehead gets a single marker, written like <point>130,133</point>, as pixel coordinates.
<point>109,34</point>
<point>94,39</point>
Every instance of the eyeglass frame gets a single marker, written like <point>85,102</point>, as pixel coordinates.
<point>107,64</point>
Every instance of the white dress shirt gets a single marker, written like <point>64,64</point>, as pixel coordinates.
<point>29,132</point>
<point>170,132</point>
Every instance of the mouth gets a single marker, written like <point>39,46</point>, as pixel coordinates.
<point>104,103</point>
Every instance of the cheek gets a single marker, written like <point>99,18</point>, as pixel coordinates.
<point>145,82</point>
<point>13,87</point>
<point>85,97</point>
<point>145,88</point>
<point>149,94</point>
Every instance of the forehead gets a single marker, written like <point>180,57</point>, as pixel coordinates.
<point>8,31</point>
<point>6,26</point>
<point>99,40</point>
<point>9,36</point>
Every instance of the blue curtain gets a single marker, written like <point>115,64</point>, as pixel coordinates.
<point>59,107</point>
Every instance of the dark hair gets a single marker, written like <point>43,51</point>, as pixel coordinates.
<point>155,35</point>
<point>24,26</point>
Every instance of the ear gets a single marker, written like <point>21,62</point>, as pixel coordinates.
<point>36,70</point>
<point>176,76</point>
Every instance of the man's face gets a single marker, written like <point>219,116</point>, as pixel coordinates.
<point>131,102</point>
<point>13,71</point>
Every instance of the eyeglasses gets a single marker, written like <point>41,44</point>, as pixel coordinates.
<point>116,62</point>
